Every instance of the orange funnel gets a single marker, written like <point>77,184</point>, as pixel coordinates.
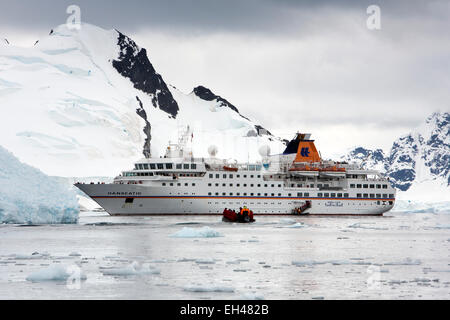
<point>306,151</point>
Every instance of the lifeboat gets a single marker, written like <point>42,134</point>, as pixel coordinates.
<point>320,168</point>
<point>333,169</point>
<point>244,215</point>
<point>226,168</point>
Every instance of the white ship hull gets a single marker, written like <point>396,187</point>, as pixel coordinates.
<point>148,200</point>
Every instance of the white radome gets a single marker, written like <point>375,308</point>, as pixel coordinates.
<point>213,150</point>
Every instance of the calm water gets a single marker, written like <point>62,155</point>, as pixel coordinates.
<point>400,256</point>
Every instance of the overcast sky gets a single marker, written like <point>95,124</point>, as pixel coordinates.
<point>311,66</point>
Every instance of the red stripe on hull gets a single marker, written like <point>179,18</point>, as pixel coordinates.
<point>256,214</point>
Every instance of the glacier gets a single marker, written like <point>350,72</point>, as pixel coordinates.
<point>28,196</point>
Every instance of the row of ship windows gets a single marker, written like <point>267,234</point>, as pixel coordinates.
<point>164,174</point>
<point>224,176</point>
<point>299,185</point>
<point>373,196</point>
<point>299,194</point>
<point>280,203</point>
<point>161,166</point>
<point>150,174</point>
<point>366,186</point>
<point>244,185</point>
<point>178,184</point>
<point>319,195</point>
<point>224,185</point>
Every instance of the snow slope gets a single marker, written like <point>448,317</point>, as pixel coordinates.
<point>29,196</point>
<point>85,102</point>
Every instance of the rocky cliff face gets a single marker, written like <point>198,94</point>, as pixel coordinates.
<point>134,64</point>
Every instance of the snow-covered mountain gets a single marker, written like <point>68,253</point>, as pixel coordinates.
<point>418,163</point>
<point>89,102</point>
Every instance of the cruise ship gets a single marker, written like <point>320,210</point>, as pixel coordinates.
<point>298,181</point>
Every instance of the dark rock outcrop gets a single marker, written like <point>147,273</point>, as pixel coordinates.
<point>133,64</point>
<point>147,129</point>
<point>206,94</point>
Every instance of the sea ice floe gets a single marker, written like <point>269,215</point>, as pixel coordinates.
<point>56,273</point>
<point>333,262</point>
<point>204,232</point>
<point>287,221</point>
<point>158,261</point>
<point>186,260</point>
<point>251,296</point>
<point>441,226</point>
<point>362,226</point>
<point>132,269</point>
<point>397,281</point>
<point>426,270</point>
<point>162,284</point>
<point>208,289</point>
<point>205,261</point>
<point>34,255</point>
<point>308,263</point>
<point>74,254</point>
<point>297,225</point>
<point>205,267</point>
<point>406,262</point>
<point>424,280</point>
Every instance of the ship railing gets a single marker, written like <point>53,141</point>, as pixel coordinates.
<point>239,166</point>
<point>331,188</point>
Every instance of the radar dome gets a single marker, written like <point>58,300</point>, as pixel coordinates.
<point>212,150</point>
<point>264,150</point>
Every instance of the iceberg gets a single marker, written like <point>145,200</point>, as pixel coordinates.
<point>408,206</point>
<point>28,196</point>
<point>207,288</point>
<point>54,273</point>
<point>204,232</point>
<point>133,269</point>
